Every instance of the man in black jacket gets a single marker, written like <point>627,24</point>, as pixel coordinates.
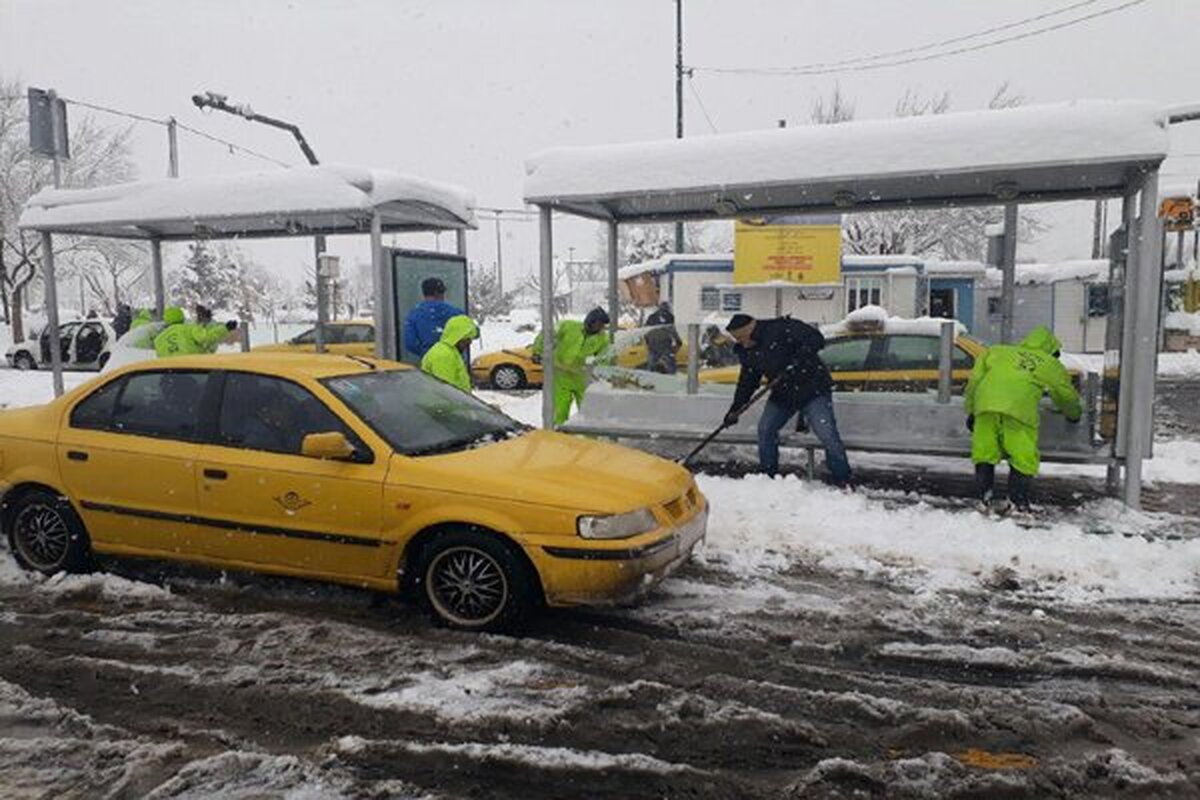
<point>786,351</point>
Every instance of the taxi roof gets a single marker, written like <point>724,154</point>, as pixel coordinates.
<point>296,365</point>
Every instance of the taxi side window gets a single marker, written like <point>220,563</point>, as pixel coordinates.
<point>259,412</point>
<point>95,412</point>
<point>912,352</point>
<point>847,355</point>
<point>358,334</point>
<point>164,405</point>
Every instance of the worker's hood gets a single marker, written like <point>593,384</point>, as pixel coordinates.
<point>552,469</point>
<point>173,315</point>
<point>458,328</point>
<point>1040,338</point>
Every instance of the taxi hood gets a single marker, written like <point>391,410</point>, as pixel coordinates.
<point>551,469</point>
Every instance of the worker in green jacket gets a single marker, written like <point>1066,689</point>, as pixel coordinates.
<point>445,359</point>
<point>181,338</point>
<point>143,316</point>
<point>577,345</point>
<point>1001,402</point>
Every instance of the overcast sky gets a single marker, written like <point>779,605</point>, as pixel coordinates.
<point>462,91</point>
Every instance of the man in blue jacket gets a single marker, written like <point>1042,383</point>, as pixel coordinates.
<point>424,324</point>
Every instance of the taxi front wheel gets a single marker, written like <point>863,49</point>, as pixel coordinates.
<point>45,534</point>
<point>472,581</point>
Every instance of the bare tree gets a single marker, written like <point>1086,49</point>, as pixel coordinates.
<point>98,156</point>
<point>838,108</point>
<point>950,233</point>
<point>111,269</point>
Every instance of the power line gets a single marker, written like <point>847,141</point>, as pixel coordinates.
<point>810,70</point>
<point>233,146</point>
<point>699,102</point>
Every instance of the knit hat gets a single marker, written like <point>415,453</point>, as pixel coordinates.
<point>738,322</point>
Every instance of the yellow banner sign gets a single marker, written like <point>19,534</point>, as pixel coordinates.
<point>807,254</point>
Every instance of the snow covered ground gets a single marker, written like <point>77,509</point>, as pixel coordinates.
<point>883,643</point>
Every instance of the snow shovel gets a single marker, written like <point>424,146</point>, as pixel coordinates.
<point>754,398</point>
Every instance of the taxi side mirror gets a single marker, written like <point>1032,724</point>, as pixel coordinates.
<point>330,445</point>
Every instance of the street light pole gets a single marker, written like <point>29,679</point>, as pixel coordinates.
<point>220,102</point>
<point>678,99</point>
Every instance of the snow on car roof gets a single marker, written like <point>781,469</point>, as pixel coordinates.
<point>1045,150</point>
<point>328,198</point>
<point>875,319</point>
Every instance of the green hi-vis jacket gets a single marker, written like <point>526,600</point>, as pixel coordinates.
<point>181,338</point>
<point>572,348</point>
<point>1011,379</point>
<point>444,361</point>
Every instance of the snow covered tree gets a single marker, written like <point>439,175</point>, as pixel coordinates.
<point>199,279</point>
<point>112,269</point>
<point>98,156</point>
<point>486,299</point>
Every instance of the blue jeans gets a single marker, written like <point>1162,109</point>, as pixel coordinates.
<point>818,413</point>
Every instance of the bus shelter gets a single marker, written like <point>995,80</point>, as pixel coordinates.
<point>1083,150</point>
<point>298,201</point>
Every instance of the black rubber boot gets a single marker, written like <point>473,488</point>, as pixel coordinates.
<point>985,482</point>
<point>1019,485</point>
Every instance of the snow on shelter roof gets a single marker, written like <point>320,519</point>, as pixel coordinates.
<point>1067,150</point>
<point>286,202</point>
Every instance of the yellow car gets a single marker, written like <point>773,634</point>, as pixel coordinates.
<point>346,337</point>
<point>883,361</point>
<point>371,474</point>
<point>515,368</point>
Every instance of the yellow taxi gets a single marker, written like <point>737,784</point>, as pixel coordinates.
<point>367,473</point>
<point>515,368</point>
<point>887,358</point>
<point>354,337</point>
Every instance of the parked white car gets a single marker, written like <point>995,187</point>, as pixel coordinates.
<point>85,345</point>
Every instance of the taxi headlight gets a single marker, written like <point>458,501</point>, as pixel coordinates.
<point>617,526</point>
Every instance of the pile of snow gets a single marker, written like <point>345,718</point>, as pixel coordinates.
<point>876,318</point>
<point>760,525</point>
<point>1080,132</point>
<point>656,266</point>
<point>267,201</point>
<point>1183,321</point>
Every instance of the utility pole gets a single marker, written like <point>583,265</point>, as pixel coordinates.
<point>1098,229</point>
<point>499,258</point>
<point>678,99</point>
<point>172,149</point>
<point>220,103</point>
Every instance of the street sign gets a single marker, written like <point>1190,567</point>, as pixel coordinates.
<point>790,249</point>
<point>48,125</point>
<point>1177,213</point>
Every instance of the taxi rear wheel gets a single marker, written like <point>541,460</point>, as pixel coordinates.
<point>507,377</point>
<point>45,534</point>
<point>472,581</point>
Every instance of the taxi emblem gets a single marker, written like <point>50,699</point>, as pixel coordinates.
<point>291,501</point>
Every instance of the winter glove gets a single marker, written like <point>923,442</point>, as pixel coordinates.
<point>231,325</point>
<point>731,418</point>
<point>1073,421</point>
<point>536,358</point>
<point>971,422</point>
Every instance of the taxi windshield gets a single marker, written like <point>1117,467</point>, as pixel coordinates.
<point>420,415</point>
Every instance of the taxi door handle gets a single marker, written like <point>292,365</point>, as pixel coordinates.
<point>77,455</point>
<point>216,474</point>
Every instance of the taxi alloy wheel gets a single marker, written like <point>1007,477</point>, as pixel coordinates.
<point>46,535</point>
<point>471,580</point>
<point>507,377</point>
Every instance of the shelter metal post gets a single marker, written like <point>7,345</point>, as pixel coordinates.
<point>546,276</point>
<point>1129,287</point>
<point>1145,319</point>
<point>1008,267</point>
<point>945,361</point>
<point>50,287</point>
<point>693,364</point>
<point>156,267</point>
<point>614,298</point>
<point>385,327</point>
<point>460,243</point>
<point>322,293</point>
